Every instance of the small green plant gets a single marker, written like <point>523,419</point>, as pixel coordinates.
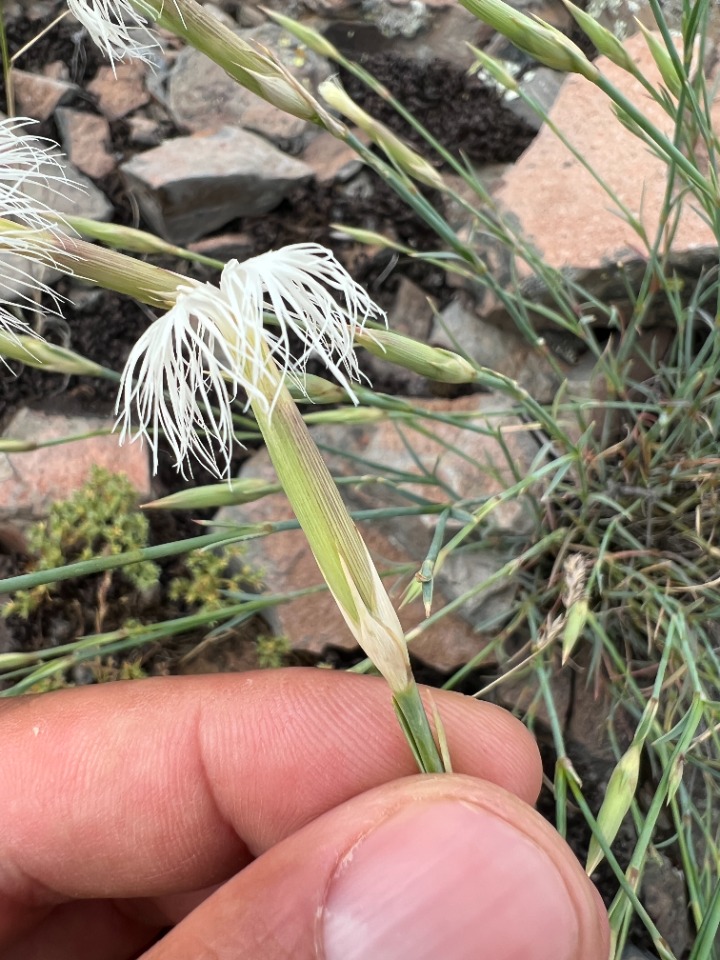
<point>100,519</point>
<point>272,651</point>
<point>210,576</point>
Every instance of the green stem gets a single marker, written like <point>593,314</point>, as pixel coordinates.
<point>416,727</point>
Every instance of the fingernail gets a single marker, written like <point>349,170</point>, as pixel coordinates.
<point>451,880</point>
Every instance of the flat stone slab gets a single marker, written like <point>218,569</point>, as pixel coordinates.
<point>31,482</point>
<point>193,185</point>
<point>561,208</point>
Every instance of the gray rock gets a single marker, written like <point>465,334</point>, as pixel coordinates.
<point>397,20</point>
<point>542,85</point>
<point>635,953</point>
<point>664,895</point>
<point>192,185</point>
<point>504,350</point>
<point>418,32</point>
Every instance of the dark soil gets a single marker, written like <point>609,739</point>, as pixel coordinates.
<point>458,110</point>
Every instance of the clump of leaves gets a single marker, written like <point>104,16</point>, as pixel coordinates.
<point>210,575</point>
<point>272,650</point>
<point>100,519</point>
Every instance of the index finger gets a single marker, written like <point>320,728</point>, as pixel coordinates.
<point>162,786</point>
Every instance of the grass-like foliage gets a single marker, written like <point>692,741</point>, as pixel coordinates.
<point>616,584</point>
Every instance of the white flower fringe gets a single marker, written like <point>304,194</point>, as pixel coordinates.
<point>187,368</point>
<point>114,26</point>
<point>26,164</point>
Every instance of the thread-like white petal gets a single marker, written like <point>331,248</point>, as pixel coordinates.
<point>26,163</point>
<point>113,26</point>
<point>180,380</point>
<point>187,368</point>
<point>311,295</point>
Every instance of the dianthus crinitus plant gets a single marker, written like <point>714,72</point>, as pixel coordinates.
<point>187,369</point>
<point>213,346</point>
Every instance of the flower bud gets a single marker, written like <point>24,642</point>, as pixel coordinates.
<point>435,363</point>
<point>8,445</point>
<point>371,239</point>
<point>242,490</point>
<point>539,39</point>
<point>120,237</point>
<point>605,41</point>
<point>574,624</point>
<point>675,778</point>
<point>618,798</point>
<point>663,61</point>
<point>46,356</point>
<point>310,388</point>
<point>11,661</point>
<point>347,415</point>
<point>399,152</point>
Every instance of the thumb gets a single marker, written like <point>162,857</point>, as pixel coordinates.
<point>424,867</point>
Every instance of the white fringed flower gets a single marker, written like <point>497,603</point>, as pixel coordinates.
<point>185,371</point>
<point>28,168</point>
<point>113,26</point>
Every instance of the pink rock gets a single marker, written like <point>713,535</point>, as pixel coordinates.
<point>86,139</point>
<point>559,206</point>
<point>31,482</point>
<point>331,159</point>
<point>121,91</point>
<point>38,96</point>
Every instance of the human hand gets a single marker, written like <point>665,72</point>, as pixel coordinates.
<point>273,815</point>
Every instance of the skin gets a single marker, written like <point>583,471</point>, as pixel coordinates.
<point>217,805</point>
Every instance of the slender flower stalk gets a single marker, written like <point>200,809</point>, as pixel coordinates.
<point>407,159</point>
<point>183,375</point>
